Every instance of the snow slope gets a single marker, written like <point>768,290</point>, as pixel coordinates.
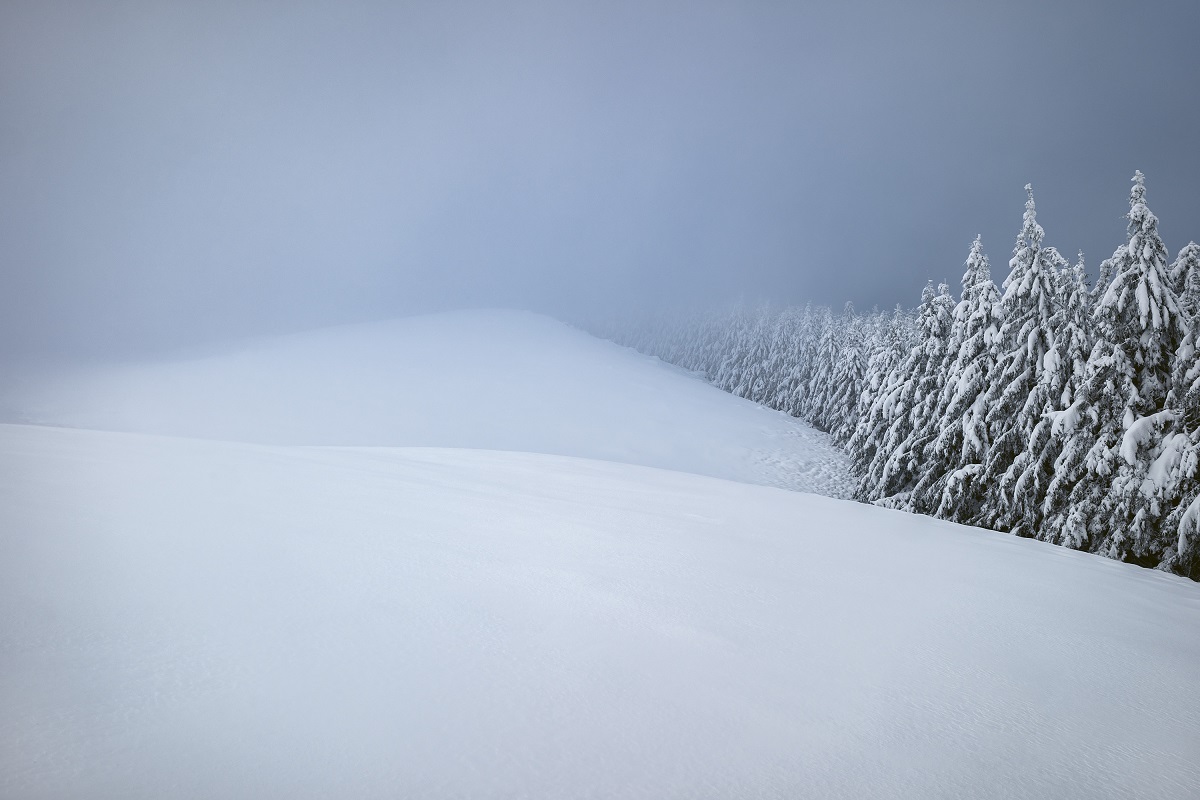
<point>504,380</point>
<point>197,619</point>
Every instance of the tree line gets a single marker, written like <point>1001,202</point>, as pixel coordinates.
<point>1045,407</point>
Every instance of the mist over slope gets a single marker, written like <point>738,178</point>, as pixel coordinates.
<point>202,619</point>
<point>504,380</point>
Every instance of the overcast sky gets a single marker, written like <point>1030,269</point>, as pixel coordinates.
<point>177,172</point>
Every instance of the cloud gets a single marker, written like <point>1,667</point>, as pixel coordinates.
<point>179,172</point>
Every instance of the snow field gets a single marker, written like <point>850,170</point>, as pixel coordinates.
<point>193,618</point>
<point>223,590</point>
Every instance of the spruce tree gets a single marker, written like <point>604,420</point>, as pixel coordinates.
<point>1025,481</point>
<point>955,456</point>
<point>1013,409</point>
<point>896,465</point>
<point>1143,311</point>
<point>754,381</point>
<point>785,353</point>
<point>879,404</point>
<point>1185,280</point>
<point>1179,460</point>
<point>1071,341</point>
<point>816,407</point>
<point>1116,424</point>
<point>849,375</point>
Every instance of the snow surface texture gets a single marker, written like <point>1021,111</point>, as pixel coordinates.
<point>199,619</point>
<point>503,380</point>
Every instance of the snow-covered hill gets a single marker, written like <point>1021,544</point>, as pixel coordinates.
<point>199,619</point>
<point>503,380</point>
<point>230,592</point>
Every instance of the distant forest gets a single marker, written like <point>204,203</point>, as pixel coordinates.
<point>1045,407</point>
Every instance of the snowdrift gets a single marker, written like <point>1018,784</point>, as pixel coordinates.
<point>203,619</point>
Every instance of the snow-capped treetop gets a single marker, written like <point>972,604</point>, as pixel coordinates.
<point>979,306</point>
<point>1029,287</point>
<point>1078,296</point>
<point>926,296</point>
<point>1029,240</point>
<point>1139,311</point>
<point>1029,302</point>
<point>1142,270</point>
<point>977,279</point>
<point>1072,333</point>
<point>937,313</point>
<point>1185,280</point>
<point>1104,278</point>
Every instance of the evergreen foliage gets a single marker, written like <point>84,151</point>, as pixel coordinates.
<point>954,458</point>
<point>1045,407</point>
<point>1017,396</point>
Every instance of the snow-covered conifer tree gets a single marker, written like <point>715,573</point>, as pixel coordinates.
<point>781,354</point>
<point>1029,302</point>
<point>753,380</point>
<point>1104,278</point>
<point>817,407</point>
<point>801,343</point>
<point>735,349</point>
<point>955,455</point>
<point>896,465</point>
<point>1033,475</point>
<point>878,405</point>
<point>1146,322</point>
<point>1185,280</point>
<point>848,375</point>
<point>1176,471</point>
<point>1118,419</point>
<point>1025,481</point>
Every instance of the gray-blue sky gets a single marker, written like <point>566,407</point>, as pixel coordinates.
<point>176,172</point>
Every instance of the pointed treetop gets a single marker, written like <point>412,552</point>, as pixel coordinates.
<point>1075,280</point>
<point>1031,232</point>
<point>1141,296</point>
<point>1185,278</point>
<point>1030,275</point>
<point>1190,250</point>
<point>978,270</point>
<point>1186,263</point>
<point>1107,266</point>
<point>1137,194</point>
<point>1140,217</point>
